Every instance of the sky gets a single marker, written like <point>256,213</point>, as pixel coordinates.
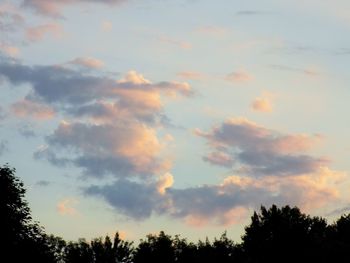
<point>185,116</point>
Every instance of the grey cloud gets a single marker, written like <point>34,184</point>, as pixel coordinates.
<point>339,211</point>
<point>260,151</point>
<point>42,183</point>
<point>49,155</point>
<point>10,21</point>
<point>140,200</point>
<point>214,200</point>
<point>114,122</point>
<point>27,131</point>
<point>268,163</point>
<point>55,84</point>
<point>304,71</point>
<point>342,51</point>
<point>136,200</point>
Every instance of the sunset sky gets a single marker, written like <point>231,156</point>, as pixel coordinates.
<point>175,115</point>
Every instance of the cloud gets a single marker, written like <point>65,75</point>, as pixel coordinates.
<point>106,26</point>
<point>27,108</point>
<point>9,50</point>
<point>305,71</point>
<point>223,204</point>
<point>262,105</point>
<point>175,42</point>
<point>67,207</point>
<point>133,199</point>
<point>87,62</point>
<point>37,33</point>
<point>239,76</point>
<point>27,130</point>
<point>10,19</point>
<point>58,85</point>
<point>123,149</point>
<point>53,8</point>
<point>219,158</point>
<point>111,125</point>
<point>42,183</point>
<point>164,182</point>
<point>259,151</point>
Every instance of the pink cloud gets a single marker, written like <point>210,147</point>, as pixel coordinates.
<point>262,105</point>
<point>106,26</point>
<point>88,62</point>
<point>39,32</point>
<point>11,51</point>
<point>53,8</point>
<point>164,182</point>
<point>26,108</point>
<point>67,207</point>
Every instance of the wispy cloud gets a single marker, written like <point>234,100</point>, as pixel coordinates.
<point>175,42</point>
<point>9,50</point>
<point>66,207</point>
<point>28,108</point>
<point>305,71</point>
<point>43,183</point>
<point>239,76</point>
<point>53,8</point>
<point>87,62</point>
<point>37,33</point>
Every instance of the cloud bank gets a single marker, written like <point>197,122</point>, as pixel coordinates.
<point>110,128</point>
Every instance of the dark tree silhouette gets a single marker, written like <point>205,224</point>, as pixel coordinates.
<point>155,249</point>
<point>122,250</point>
<point>184,252</point>
<point>22,240</point>
<point>79,252</point>
<point>284,235</point>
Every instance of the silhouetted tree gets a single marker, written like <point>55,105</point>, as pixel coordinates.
<point>284,235</point>
<point>22,240</point>
<point>79,252</point>
<point>57,247</point>
<point>184,252</point>
<point>155,249</point>
<point>122,250</point>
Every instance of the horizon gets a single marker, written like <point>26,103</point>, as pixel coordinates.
<point>183,117</point>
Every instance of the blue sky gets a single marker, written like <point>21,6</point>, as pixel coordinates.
<point>183,116</point>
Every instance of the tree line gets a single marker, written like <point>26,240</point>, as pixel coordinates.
<point>275,234</point>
